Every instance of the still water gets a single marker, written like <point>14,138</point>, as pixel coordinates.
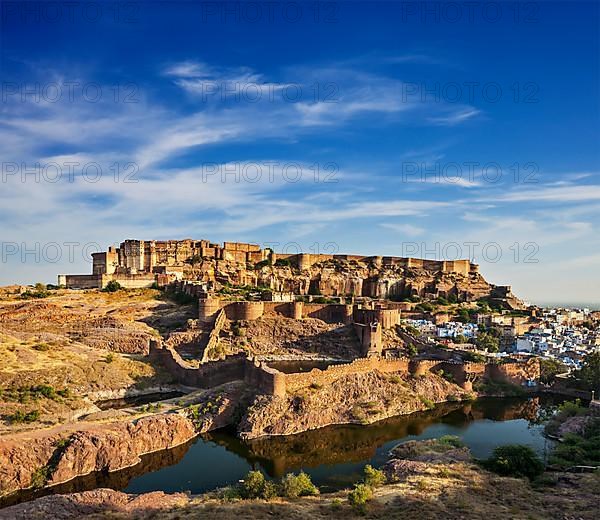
<point>333,456</point>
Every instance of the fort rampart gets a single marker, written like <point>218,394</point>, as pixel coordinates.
<point>270,381</point>
<point>209,374</point>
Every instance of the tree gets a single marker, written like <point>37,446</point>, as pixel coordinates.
<point>515,460</point>
<point>549,369</point>
<point>485,341</point>
<point>589,374</point>
<point>112,286</point>
<point>463,315</point>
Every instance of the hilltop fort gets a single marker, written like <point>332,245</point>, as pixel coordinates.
<point>141,263</point>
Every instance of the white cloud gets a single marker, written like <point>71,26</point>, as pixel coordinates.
<point>404,229</point>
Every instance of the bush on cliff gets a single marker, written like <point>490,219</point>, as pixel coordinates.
<point>21,417</point>
<point>451,440</point>
<point>514,460</point>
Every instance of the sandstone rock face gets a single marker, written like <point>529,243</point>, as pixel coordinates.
<point>347,277</point>
<point>102,448</point>
<point>358,398</point>
<point>21,459</point>
<point>121,446</point>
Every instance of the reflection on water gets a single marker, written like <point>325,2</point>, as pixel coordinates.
<point>333,456</point>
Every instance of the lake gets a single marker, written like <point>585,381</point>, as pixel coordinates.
<point>333,456</point>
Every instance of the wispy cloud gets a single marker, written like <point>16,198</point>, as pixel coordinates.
<point>404,229</point>
<point>455,118</point>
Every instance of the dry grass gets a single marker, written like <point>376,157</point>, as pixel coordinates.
<point>469,493</point>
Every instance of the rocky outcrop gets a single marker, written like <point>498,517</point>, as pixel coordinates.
<point>51,459</point>
<point>120,446</point>
<point>358,398</point>
<point>101,502</point>
<point>340,277</point>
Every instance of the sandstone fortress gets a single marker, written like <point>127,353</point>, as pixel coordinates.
<point>239,283</point>
<point>140,263</point>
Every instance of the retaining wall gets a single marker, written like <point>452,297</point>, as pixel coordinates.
<point>209,374</point>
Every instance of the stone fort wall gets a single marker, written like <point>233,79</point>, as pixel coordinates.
<point>271,381</point>
<point>209,374</point>
<point>327,312</point>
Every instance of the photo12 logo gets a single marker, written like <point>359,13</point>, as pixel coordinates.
<point>470,92</point>
<point>68,92</point>
<point>296,248</point>
<point>476,252</point>
<point>253,92</point>
<point>82,11</point>
<point>468,12</point>
<point>53,172</point>
<point>468,172</point>
<point>269,171</point>
<point>47,252</point>
<point>276,12</point>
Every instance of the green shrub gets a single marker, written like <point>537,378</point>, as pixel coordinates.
<point>112,286</point>
<point>253,485</point>
<point>374,477</point>
<point>359,497</point>
<point>45,390</point>
<point>230,493</point>
<point>41,347</point>
<point>293,486</point>
<point>451,440</point>
<point>412,350</point>
<point>269,490</point>
<point>427,402</point>
<point>336,504</point>
<point>515,460</point>
<point>261,264</point>
<point>40,291</point>
<point>22,417</point>
<point>109,358</point>
<point>40,477</point>
<point>579,450</point>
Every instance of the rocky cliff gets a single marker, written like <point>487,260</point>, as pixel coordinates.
<point>341,277</point>
<point>37,460</point>
<point>358,398</point>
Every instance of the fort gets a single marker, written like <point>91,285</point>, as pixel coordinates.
<point>368,319</point>
<point>148,263</point>
<point>349,304</point>
<point>138,262</point>
<point>270,381</point>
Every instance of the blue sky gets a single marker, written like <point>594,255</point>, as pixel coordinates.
<point>417,117</point>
